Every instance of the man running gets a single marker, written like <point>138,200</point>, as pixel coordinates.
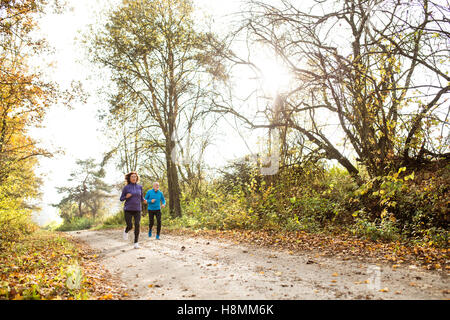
<point>154,199</point>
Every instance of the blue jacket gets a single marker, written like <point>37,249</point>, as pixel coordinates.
<point>158,196</point>
<point>134,203</point>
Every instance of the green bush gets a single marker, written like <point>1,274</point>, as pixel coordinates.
<point>314,198</point>
<point>77,223</point>
<point>384,230</point>
<point>14,224</point>
<point>412,205</point>
<point>115,220</point>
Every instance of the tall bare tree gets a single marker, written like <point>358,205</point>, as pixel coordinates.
<point>375,69</point>
<point>158,63</point>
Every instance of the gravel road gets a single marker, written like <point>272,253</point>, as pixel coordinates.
<point>182,267</point>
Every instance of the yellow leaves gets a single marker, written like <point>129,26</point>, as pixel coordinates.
<point>384,290</point>
<point>17,297</point>
<point>39,267</point>
<point>410,177</point>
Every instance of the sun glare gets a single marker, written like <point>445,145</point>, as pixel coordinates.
<point>275,78</point>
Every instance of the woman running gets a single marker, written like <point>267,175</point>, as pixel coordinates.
<point>133,196</point>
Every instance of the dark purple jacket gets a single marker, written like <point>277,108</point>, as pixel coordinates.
<point>134,202</point>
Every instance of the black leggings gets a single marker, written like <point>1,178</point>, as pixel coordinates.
<point>151,218</point>
<point>137,219</point>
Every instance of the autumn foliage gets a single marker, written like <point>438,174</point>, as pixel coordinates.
<point>24,99</point>
<point>33,265</point>
<point>49,266</point>
<point>390,203</point>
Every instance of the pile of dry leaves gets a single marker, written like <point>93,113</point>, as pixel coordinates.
<point>341,246</point>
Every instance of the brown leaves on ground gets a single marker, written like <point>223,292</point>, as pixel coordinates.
<point>37,267</point>
<point>341,246</point>
<point>102,284</point>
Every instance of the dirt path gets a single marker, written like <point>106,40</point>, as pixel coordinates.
<point>181,267</point>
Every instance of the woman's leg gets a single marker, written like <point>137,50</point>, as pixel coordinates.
<point>128,217</point>
<point>137,227</point>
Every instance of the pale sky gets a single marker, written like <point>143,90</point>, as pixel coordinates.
<point>76,131</point>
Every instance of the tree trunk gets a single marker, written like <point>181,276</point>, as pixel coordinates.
<point>172,182</point>
<point>80,213</point>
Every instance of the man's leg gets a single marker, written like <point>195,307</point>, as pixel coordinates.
<point>158,222</point>
<point>151,222</point>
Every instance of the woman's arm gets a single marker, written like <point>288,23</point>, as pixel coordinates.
<point>123,195</point>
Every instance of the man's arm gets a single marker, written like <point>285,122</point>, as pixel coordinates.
<point>163,200</point>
